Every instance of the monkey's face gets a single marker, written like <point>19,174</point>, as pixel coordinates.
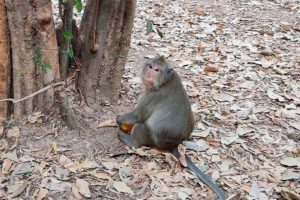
<point>155,73</point>
<point>152,75</point>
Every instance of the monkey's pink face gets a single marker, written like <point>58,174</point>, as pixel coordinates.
<point>152,76</point>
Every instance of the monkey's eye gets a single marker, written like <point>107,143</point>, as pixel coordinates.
<point>150,66</point>
<point>157,70</point>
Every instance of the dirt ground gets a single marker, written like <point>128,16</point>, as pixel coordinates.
<point>247,131</point>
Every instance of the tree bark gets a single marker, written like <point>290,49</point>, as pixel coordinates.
<point>65,46</point>
<point>5,65</point>
<point>105,31</point>
<point>34,53</point>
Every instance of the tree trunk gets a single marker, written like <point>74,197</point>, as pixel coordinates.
<point>34,53</point>
<point>65,46</point>
<point>105,31</point>
<point>5,67</point>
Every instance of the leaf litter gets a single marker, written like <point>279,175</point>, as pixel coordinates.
<point>240,66</point>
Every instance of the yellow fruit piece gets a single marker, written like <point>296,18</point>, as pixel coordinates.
<point>126,127</point>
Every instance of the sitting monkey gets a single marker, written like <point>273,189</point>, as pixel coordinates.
<point>163,117</point>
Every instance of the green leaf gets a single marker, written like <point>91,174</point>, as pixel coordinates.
<point>149,26</point>
<point>37,58</point>
<point>70,52</point>
<point>159,33</point>
<point>68,35</point>
<point>46,65</point>
<point>78,5</point>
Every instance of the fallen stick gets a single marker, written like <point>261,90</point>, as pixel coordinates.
<point>34,94</point>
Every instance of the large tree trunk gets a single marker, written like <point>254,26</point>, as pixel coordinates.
<point>34,53</point>
<point>105,31</point>
<point>5,66</point>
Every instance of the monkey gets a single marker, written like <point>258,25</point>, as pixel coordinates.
<point>162,117</point>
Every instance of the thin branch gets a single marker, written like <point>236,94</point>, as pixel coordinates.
<point>34,94</point>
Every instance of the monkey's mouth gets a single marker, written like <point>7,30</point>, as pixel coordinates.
<point>148,80</point>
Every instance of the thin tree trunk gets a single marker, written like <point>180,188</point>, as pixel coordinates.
<point>105,31</point>
<point>5,65</point>
<point>34,53</point>
<point>65,46</point>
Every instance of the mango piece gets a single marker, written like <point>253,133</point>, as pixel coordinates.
<point>126,127</point>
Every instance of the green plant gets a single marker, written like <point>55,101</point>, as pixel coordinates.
<point>150,28</point>
<point>78,5</point>
<point>44,65</point>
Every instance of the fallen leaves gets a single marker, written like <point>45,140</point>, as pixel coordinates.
<point>291,161</point>
<point>243,80</point>
<point>83,188</point>
<point>122,187</point>
<point>17,188</point>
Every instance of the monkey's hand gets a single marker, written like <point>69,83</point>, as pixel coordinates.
<point>128,118</point>
<point>118,120</point>
<point>123,125</point>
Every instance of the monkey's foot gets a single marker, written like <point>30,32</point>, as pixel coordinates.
<point>127,139</point>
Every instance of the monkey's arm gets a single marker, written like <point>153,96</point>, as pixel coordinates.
<point>129,118</point>
<point>205,179</point>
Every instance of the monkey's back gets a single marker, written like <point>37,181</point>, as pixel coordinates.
<point>171,119</point>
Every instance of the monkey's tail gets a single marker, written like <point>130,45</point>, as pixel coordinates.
<point>205,179</point>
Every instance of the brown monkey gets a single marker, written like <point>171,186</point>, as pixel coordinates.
<point>163,116</point>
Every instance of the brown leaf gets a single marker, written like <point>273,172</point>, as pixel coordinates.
<point>1,130</point>
<point>86,164</point>
<point>3,144</point>
<point>42,193</point>
<point>210,69</point>
<point>122,187</point>
<point>55,185</point>
<point>14,132</point>
<point>17,189</point>
<point>108,123</point>
<point>200,12</point>
<point>75,192</point>
<point>83,188</point>
<point>289,195</point>
<point>6,166</point>
<point>102,176</point>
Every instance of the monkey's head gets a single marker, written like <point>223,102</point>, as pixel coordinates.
<point>156,72</point>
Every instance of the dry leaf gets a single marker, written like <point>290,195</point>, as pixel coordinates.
<point>14,132</point>
<point>6,166</point>
<point>275,96</point>
<point>12,155</point>
<point>83,188</point>
<point>102,176</point>
<point>230,139</point>
<point>204,133</point>
<point>125,173</point>
<point>210,69</point>
<point>223,97</point>
<point>200,145</point>
<point>17,189</point>
<point>75,192</point>
<point>122,187</point>
<point>1,130</point>
<point>243,130</point>
<point>108,123</point>
<point>108,165</point>
<point>86,164</point>
<point>3,144</point>
<point>42,193</point>
<point>289,175</point>
<point>291,162</point>
<point>295,125</point>
<point>54,146</point>
<point>56,185</point>
<point>289,195</point>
